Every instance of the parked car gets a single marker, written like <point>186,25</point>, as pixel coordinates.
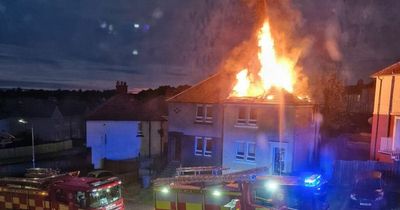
<point>368,191</point>
<point>102,174</point>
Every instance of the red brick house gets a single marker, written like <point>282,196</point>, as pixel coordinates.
<point>385,138</point>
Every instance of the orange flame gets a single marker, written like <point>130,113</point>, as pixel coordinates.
<point>275,71</point>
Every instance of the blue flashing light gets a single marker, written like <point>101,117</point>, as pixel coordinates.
<point>313,180</point>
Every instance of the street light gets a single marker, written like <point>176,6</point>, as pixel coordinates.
<point>33,141</point>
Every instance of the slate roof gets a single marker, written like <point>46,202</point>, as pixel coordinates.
<point>124,107</point>
<point>390,70</point>
<point>216,89</point>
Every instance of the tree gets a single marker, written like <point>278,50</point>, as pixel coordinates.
<point>334,107</point>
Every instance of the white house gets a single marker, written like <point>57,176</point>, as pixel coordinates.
<point>125,128</point>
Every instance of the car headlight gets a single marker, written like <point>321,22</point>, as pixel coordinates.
<point>353,196</point>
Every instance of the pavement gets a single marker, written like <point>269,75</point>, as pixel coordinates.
<point>137,198</point>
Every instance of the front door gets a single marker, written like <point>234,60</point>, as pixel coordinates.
<point>278,160</point>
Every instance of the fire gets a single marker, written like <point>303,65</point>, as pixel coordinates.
<point>276,71</point>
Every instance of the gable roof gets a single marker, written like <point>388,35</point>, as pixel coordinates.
<point>390,70</point>
<point>124,107</point>
<point>28,108</point>
<point>214,89</point>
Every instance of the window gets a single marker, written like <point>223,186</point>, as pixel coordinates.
<point>207,147</point>
<point>240,150</point>
<point>241,115</point>
<point>279,160</point>
<point>251,152</point>
<point>198,150</point>
<point>246,151</point>
<point>203,146</point>
<point>200,113</point>
<point>204,113</point>
<point>247,116</point>
<point>253,116</point>
<point>208,112</point>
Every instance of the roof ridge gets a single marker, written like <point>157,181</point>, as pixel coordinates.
<point>379,73</point>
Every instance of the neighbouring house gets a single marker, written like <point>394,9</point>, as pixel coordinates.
<point>359,98</point>
<point>74,113</point>
<point>207,127</point>
<point>125,128</point>
<point>43,115</point>
<point>385,136</point>
<point>359,101</point>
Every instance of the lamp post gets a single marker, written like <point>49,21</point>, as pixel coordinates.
<point>33,141</point>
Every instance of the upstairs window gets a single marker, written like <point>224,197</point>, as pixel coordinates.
<point>242,115</point>
<point>204,113</point>
<point>252,116</point>
<point>203,146</point>
<point>247,116</point>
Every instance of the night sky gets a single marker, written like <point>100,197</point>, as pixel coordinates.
<point>89,44</point>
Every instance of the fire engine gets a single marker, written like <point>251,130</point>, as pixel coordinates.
<point>207,188</point>
<point>60,192</point>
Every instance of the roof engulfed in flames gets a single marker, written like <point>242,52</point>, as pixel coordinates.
<point>275,71</point>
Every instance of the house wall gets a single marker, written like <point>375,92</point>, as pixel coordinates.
<point>297,139</point>
<point>306,136</point>
<point>187,155</point>
<point>182,127</point>
<point>115,140</point>
<point>4,125</point>
<point>386,108</point>
<point>181,118</point>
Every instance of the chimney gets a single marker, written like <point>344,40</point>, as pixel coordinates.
<point>121,87</point>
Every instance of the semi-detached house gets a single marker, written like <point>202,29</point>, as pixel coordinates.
<point>207,127</point>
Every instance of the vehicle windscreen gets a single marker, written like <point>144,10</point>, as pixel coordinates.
<point>371,184</point>
<point>103,197</point>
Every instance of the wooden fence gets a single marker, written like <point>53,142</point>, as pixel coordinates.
<point>344,172</point>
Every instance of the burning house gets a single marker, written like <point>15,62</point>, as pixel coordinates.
<point>246,120</point>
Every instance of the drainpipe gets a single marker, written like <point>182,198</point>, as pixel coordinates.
<point>390,104</point>
<point>149,139</point>
<point>222,133</point>
<point>377,113</point>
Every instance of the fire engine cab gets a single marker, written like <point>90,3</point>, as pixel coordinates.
<point>61,192</point>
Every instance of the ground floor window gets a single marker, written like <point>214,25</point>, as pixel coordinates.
<point>245,151</point>
<point>203,146</point>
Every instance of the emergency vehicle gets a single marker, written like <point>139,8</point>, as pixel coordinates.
<point>207,188</point>
<point>60,192</point>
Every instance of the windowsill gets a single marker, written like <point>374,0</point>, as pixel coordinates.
<point>203,123</point>
<point>385,152</point>
<point>245,126</point>
<point>245,162</point>
<point>207,156</point>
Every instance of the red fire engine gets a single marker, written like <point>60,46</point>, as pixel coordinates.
<point>61,192</point>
